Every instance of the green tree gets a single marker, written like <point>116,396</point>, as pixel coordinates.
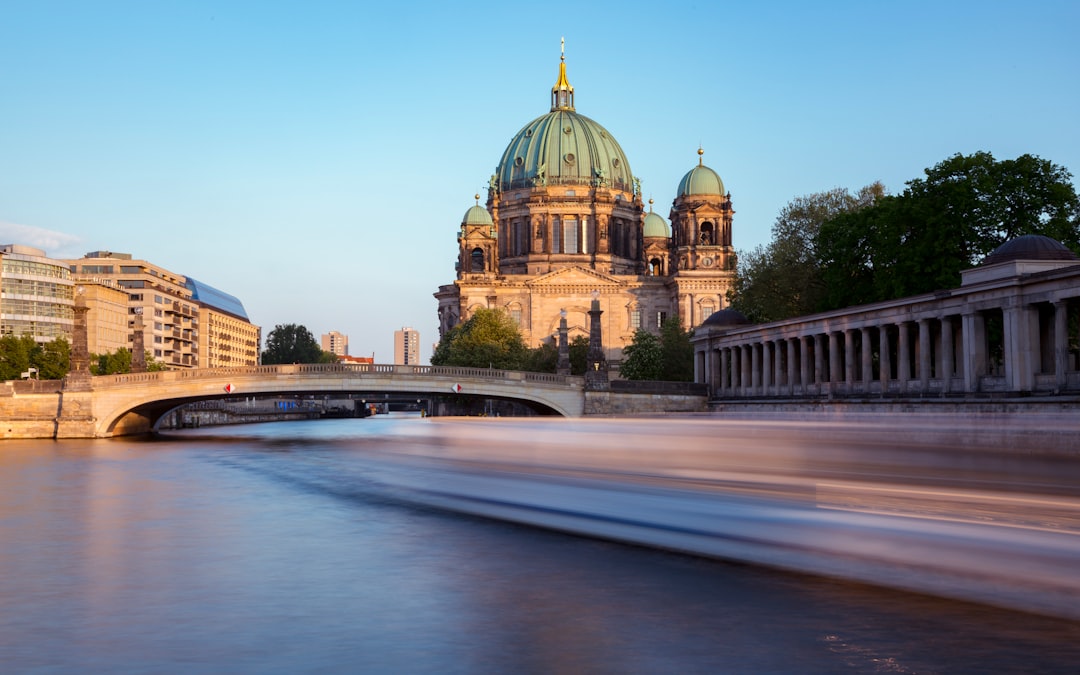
<point>19,354</point>
<point>119,362</point>
<point>545,358</point>
<point>643,358</point>
<point>53,359</point>
<point>291,343</point>
<point>784,279</point>
<point>677,351</point>
<point>542,359</point>
<point>489,338</point>
<point>579,354</point>
<point>15,355</point>
<point>111,363</point>
<point>964,208</point>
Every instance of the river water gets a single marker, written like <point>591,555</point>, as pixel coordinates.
<point>264,549</point>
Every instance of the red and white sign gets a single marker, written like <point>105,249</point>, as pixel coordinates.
<point>229,389</point>
<point>456,388</point>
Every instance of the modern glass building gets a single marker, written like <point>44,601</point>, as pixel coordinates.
<point>36,294</point>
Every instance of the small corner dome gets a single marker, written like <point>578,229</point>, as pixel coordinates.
<point>477,215</point>
<point>701,180</point>
<point>1029,247</point>
<point>726,318</point>
<point>656,226</point>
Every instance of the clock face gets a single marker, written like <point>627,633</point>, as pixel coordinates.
<point>706,262</point>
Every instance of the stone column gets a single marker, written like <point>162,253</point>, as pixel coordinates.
<point>78,376</point>
<point>867,352</point>
<point>778,366</point>
<point>746,368</point>
<point>1021,343</point>
<point>849,359</point>
<point>946,353</point>
<point>722,390</point>
<point>974,357</point>
<point>884,358</point>
<point>596,369</point>
<point>836,374</point>
<point>755,370</point>
<point>796,359</point>
<point>138,343</point>
<point>924,355</point>
<point>766,366</point>
<point>804,363</point>
<point>903,356</point>
<point>562,365</point>
<point>1061,343</point>
<point>819,376</point>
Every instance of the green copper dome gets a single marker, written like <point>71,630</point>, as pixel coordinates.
<point>563,148</point>
<point>477,215</point>
<point>701,180</point>
<point>655,225</point>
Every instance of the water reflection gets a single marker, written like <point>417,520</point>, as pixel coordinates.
<point>295,548</point>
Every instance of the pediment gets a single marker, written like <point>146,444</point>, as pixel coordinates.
<point>576,277</point>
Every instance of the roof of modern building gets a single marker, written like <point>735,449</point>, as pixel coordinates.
<point>212,297</point>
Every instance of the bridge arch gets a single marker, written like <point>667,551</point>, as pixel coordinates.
<point>135,402</point>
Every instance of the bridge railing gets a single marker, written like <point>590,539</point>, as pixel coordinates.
<point>361,369</point>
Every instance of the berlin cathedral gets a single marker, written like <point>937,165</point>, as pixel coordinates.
<point>564,223</point>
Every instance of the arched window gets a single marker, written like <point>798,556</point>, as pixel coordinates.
<point>708,236</point>
<point>655,268</point>
<point>477,260</point>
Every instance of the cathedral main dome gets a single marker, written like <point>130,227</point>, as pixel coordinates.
<point>563,148</point>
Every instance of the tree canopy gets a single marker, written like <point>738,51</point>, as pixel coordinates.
<point>964,208</point>
<point>119,361</point>
<point>668,356</point>
<point>487,339</point>
<point>834,249</point>
<point>293,343</point>
<point>784,279</point>
<point>19,354</point>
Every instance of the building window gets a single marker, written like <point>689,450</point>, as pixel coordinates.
<point>515,314</point>
<point>570,235</point>
<point>661,317</point>
<point>707,309</point>
<point>635,319</point>
<point>477,260</point>
<point>707,235</point>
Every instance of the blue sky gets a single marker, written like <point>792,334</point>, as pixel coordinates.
<point>315,159</point>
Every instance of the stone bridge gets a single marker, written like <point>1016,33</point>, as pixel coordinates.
<point>84,406</point>
<point>135,402</point>
<point>114,405</point>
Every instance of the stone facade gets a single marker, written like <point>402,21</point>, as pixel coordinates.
<point>564,222</point>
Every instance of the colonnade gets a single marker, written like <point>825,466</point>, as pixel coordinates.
<point>1011,347</point>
